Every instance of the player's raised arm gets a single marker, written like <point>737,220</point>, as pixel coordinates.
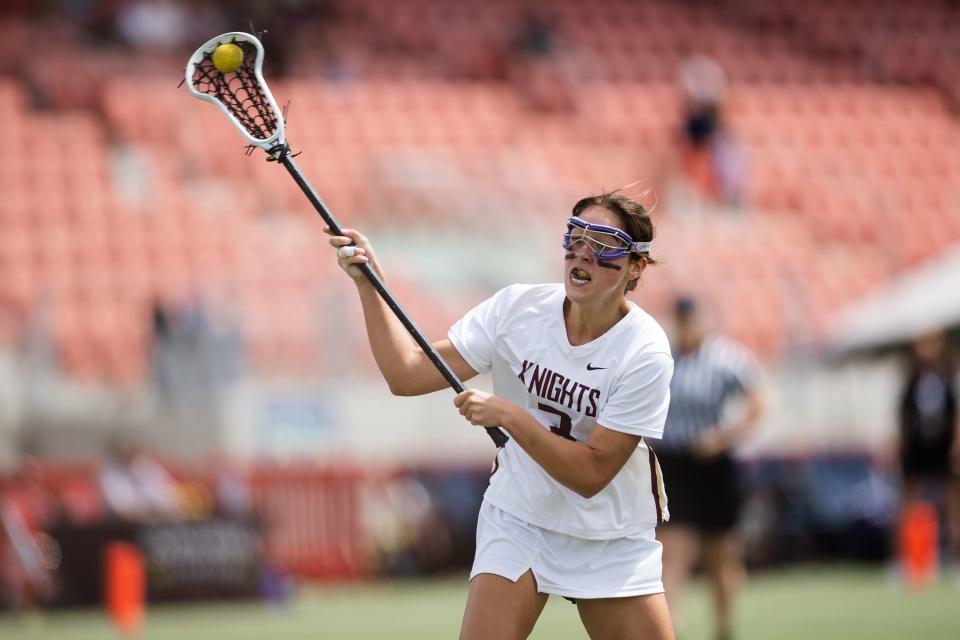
<point>403,364</point>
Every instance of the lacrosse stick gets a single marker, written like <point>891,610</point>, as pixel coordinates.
<point>226,71</point>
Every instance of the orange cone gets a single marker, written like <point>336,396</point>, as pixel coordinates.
<point>124,587</point>
<point>919,544</point>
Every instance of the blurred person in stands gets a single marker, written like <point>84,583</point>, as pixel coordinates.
<point>703,83</point>
<point>539,68</point>
<point>137,488</point>
<point>699,469</point>
<point>928,442</point>
<point>581,377</point>
<point>409,532</point>
<point>28,555</point>
<point>711,157</point>
<point>154,25</point>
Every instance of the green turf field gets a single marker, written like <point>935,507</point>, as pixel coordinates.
<point>807,604</point>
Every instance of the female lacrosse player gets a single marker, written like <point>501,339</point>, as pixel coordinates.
<point>581,376</point>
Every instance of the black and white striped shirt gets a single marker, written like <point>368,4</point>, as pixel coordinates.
<point>704,381</point>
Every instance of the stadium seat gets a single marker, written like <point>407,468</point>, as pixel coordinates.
<point>843,111</point>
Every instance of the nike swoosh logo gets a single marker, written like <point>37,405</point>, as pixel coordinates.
<point>590,367</point>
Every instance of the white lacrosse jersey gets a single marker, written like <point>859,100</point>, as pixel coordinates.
<point>620,381</point>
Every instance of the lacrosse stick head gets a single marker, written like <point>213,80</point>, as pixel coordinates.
<point>241,94</point>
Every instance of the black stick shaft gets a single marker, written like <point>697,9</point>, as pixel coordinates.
<point>497,435</point>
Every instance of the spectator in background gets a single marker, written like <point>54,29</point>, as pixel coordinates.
<point>703,84</point>
<point>711,158</point>
<point>232,491</point>
<point>539,67</point>
<point>409,533</point>
<point>27,553</point>
<point>153,24</point>
<point>699,469</point>
<point>929,447</point>
<point>196,350</point>
<point>137,488</point>
<point>534,36</point>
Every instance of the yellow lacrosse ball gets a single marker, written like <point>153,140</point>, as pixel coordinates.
<point>227,58</point>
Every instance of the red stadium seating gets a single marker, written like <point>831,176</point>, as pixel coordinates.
<point>843,111</point>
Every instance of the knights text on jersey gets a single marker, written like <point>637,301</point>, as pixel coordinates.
<point>620,381</point>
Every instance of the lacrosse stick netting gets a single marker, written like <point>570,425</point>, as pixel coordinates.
<point>243,96</point>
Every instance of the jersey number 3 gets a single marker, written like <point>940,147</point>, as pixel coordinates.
<point>566,424</point>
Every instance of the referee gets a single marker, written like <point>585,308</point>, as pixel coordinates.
<point>699,470</point>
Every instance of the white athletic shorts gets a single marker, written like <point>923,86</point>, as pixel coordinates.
<point>565,565</point>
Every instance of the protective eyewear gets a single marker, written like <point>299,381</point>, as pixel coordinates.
<point>606,243</point>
